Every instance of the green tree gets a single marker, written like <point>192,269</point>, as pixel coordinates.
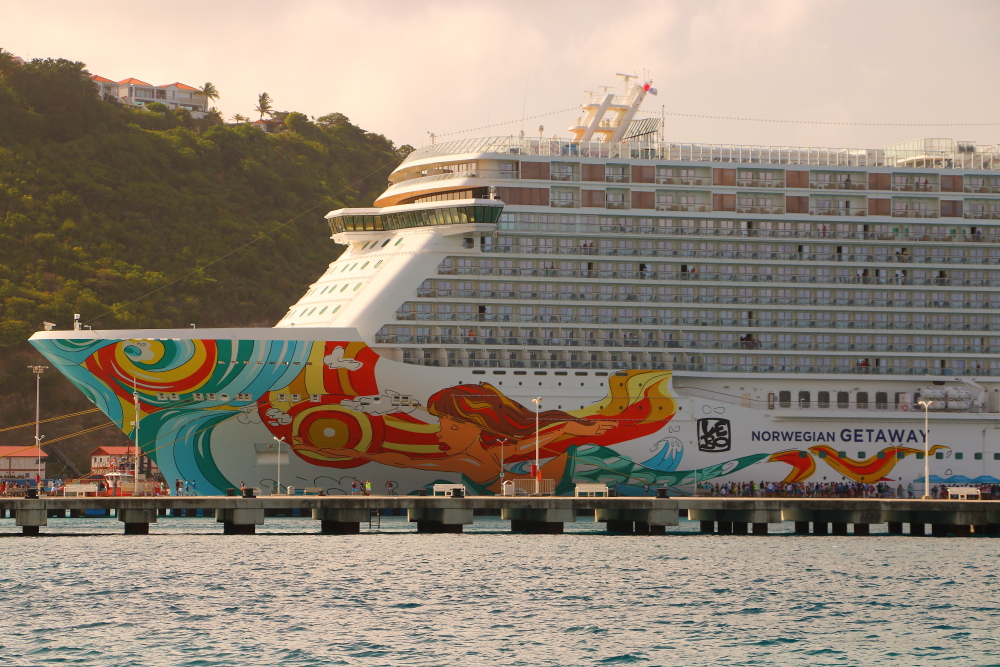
<point>240,118</point>
<point>264,105</point>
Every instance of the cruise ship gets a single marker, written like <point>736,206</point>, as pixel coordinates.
<point>609,306</point>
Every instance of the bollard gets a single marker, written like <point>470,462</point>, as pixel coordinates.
<point>661,492</point>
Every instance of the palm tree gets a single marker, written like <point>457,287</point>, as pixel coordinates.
<point>210,92</point>
<point>240,118</point>
<point>264,105</point>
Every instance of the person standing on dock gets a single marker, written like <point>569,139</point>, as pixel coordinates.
<point>354,487</point>
<point>178,486</point>
<point>194,488</point>
<point>243,487</point>
<point>368,487</point>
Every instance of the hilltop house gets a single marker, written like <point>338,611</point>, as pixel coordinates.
<point>137,93</point>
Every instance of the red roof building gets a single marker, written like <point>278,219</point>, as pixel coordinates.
<point>105,459</point>
<point>20,461</point>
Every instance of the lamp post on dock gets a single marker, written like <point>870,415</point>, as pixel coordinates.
<point>927,448</point>
<point>502,441</point>
<point>38,370</point>
<point>279,441</point>
<point>538,469</point>
<point>138,449</point>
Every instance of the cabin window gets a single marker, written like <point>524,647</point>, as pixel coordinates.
<point>881,400</point>
<point>843,400</point>
<point>823,399</point>
<point>861,455</point>
<point>939,455</point>
<point>785,399</point>
<point>978,456</point>
<point>959,456</point>
<point>862,401</point>
<point>803,399</point>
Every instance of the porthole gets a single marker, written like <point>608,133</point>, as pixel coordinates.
<point>364,265</point>
<point>398,241</point>
<point>303,312</point>
<point>344,269</point>
<point>323,311</point>
<point>356,287</point>
<point>335,310</point>
<point>386,242</point>
<point>354,266</point>
<point>365,245</point>
<point>344,287</point>
<point>312,311</point>
<point>377,264</point>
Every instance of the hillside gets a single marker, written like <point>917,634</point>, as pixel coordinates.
<point>102,204</point>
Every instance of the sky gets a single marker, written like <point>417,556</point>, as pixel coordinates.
<point>464,69</point>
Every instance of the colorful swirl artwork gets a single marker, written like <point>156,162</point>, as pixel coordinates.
<point>324,400</point>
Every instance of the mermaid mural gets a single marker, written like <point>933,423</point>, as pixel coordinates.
<point>203,403</point>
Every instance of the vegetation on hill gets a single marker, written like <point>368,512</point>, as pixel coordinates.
<point>101,204</point>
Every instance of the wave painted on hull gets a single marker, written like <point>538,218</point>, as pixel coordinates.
<point>325,400</point>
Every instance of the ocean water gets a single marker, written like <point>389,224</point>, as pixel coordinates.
<point>186,595</point>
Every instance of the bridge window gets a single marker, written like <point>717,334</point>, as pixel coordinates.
<point>803,399</point>
<point>823,399</point>
<point>843,400</point>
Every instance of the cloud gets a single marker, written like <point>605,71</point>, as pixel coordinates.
<point>248,415</point>
<point>278,417</point>
<point>336,360</point>
<point>385,404</point>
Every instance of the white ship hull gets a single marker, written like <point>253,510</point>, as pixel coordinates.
<point>213,408</point>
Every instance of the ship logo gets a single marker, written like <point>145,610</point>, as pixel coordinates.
<point>714,435</point>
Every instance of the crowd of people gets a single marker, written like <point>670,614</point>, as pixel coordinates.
<point>846,489</point>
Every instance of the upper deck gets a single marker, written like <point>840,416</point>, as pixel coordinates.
<point>919,154</point>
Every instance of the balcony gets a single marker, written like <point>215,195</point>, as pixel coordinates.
<point>840,185</point>
<point>565,203</point>
<point>984,189</point>
<point>911,213</point>
<point>916,187</point>
<point>618,205</point>
<point>758,183</point>
<point>617,178</point>
<point>564,176</point>
<point>769,210</point>
<point>828,210</point>
<point>669,206</point>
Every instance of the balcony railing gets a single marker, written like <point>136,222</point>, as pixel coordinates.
<point>565,203</point>
<point>771,210</point>
<point>829,210</point>
<point>840,185</point>
<point>759,183</point>
<point>984,157</point>
<point>910,213</point>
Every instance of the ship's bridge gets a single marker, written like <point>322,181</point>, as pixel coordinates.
<point>424,214</point>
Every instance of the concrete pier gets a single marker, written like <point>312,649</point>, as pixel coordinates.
<point>543,515</point>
